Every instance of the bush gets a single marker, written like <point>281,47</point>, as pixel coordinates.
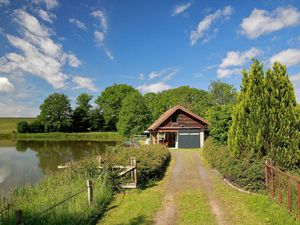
<point>247,173</point>
<point>152,161</point>
<point>23,127</point>
<point>36,127</point>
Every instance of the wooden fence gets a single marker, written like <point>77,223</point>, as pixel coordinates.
<point>283,187</point>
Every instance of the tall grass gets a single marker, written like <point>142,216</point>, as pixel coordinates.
<point>56,136</point>
<point>55,187</point>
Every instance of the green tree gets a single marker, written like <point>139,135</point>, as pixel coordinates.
<point>281,134</point>
<point>220,121</point>
<point>56,113</point>
<point>221,93</point>
<point>81,115</point>
<point>264,119</point>
<point>23,127</point>
<point>97,120</point>
<point>110,102</point>
<point>134,115</point>
<point>245,134</point>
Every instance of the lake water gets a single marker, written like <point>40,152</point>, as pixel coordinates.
<point>26,162</point>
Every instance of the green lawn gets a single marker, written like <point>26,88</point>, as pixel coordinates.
<point>136,206</point>
<point>8,125</point>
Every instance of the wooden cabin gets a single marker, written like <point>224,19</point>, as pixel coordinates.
<point>178,128</point>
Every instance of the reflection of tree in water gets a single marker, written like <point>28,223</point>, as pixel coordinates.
<point>53,153</point>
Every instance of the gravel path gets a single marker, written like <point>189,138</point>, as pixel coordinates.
<point>188,173</point>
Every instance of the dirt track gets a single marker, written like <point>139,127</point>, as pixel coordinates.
<point>188,173</point>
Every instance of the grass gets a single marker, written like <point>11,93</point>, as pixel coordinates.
<point>193,208</point>
<point>137,206</point>
<point>249,209</point>
<point>59,136</point>
<point>8,125</point>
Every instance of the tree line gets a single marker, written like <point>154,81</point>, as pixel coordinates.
<point>123,108</point>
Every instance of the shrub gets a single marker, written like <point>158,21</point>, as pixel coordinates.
<point>247,173</point>
<point>36,127</point>
<point>23,127</point>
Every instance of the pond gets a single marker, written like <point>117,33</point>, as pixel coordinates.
<point>26,162</point>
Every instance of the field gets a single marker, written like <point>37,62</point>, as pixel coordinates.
<point>8,125</point>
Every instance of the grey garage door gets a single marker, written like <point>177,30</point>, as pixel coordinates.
<point>189,138</point>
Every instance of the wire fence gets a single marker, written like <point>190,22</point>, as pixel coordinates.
<point>283,187</point>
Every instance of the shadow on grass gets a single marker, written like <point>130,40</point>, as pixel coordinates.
<point>137,221</point>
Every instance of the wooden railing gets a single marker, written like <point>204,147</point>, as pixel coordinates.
<point>283,187</point>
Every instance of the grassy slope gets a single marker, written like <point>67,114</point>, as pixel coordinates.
<point>8,125</point>
<point>137,206</point>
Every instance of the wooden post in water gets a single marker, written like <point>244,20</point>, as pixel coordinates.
<point>89,191</point>
<point>19,217</point>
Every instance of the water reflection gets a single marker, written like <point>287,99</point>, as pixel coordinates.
<point>28,161</point>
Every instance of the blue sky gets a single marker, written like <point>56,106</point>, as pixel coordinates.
<point>84,46</point>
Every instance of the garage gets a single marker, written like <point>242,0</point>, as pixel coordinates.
<point>178,128</point>
<point>189,138</point>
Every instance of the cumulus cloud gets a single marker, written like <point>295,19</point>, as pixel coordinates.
<point>46,16</point>
<point>78,23</point>
<point>179,9</point>
<point>155,87</point>
<point>6,85</point>
<point>201,32</point>
<point>4,2</point>
<point>289,57</point>
<point>234,60</point>
<point>84,83</point>
<point>262,22</point>
<point>37,53</point>
<point>50,4</point>
<point>99,37</point>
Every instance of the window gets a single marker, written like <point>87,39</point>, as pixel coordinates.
<point>174,118</point>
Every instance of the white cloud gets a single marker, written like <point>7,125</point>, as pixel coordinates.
<point>234,60</point>
<point>6,85</point>
<point>78,23</point>
<point>46,16</point>
<point>179,9</point>
<point>73,61</point>
<point>295,77</point>
<point>100,34</point>
<point>50,4</point>
<point>141,76</point>
<point>155,88</point>
<point>9,109</point>
<point>99,37</point>
<point>39,54</point>
<point>4,2</point>
<point>85,83</point>
<point>289,57</point>
<point>262,22</point>
<point>165,74</point>
<point>99,14</point>
<point>204,25</point>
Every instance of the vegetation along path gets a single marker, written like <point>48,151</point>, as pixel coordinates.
<point>192,193</point>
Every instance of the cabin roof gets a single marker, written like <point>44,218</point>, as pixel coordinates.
<point>170,112</point>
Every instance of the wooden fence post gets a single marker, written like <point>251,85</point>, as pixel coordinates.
<point>298,192</point>
<point>279,189</point>
<point>289,194</point>
<point>131,172</point>
<point>134,171</point>
<point>266,174</point>
<point>19,217</point>
<point>89,191</point>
